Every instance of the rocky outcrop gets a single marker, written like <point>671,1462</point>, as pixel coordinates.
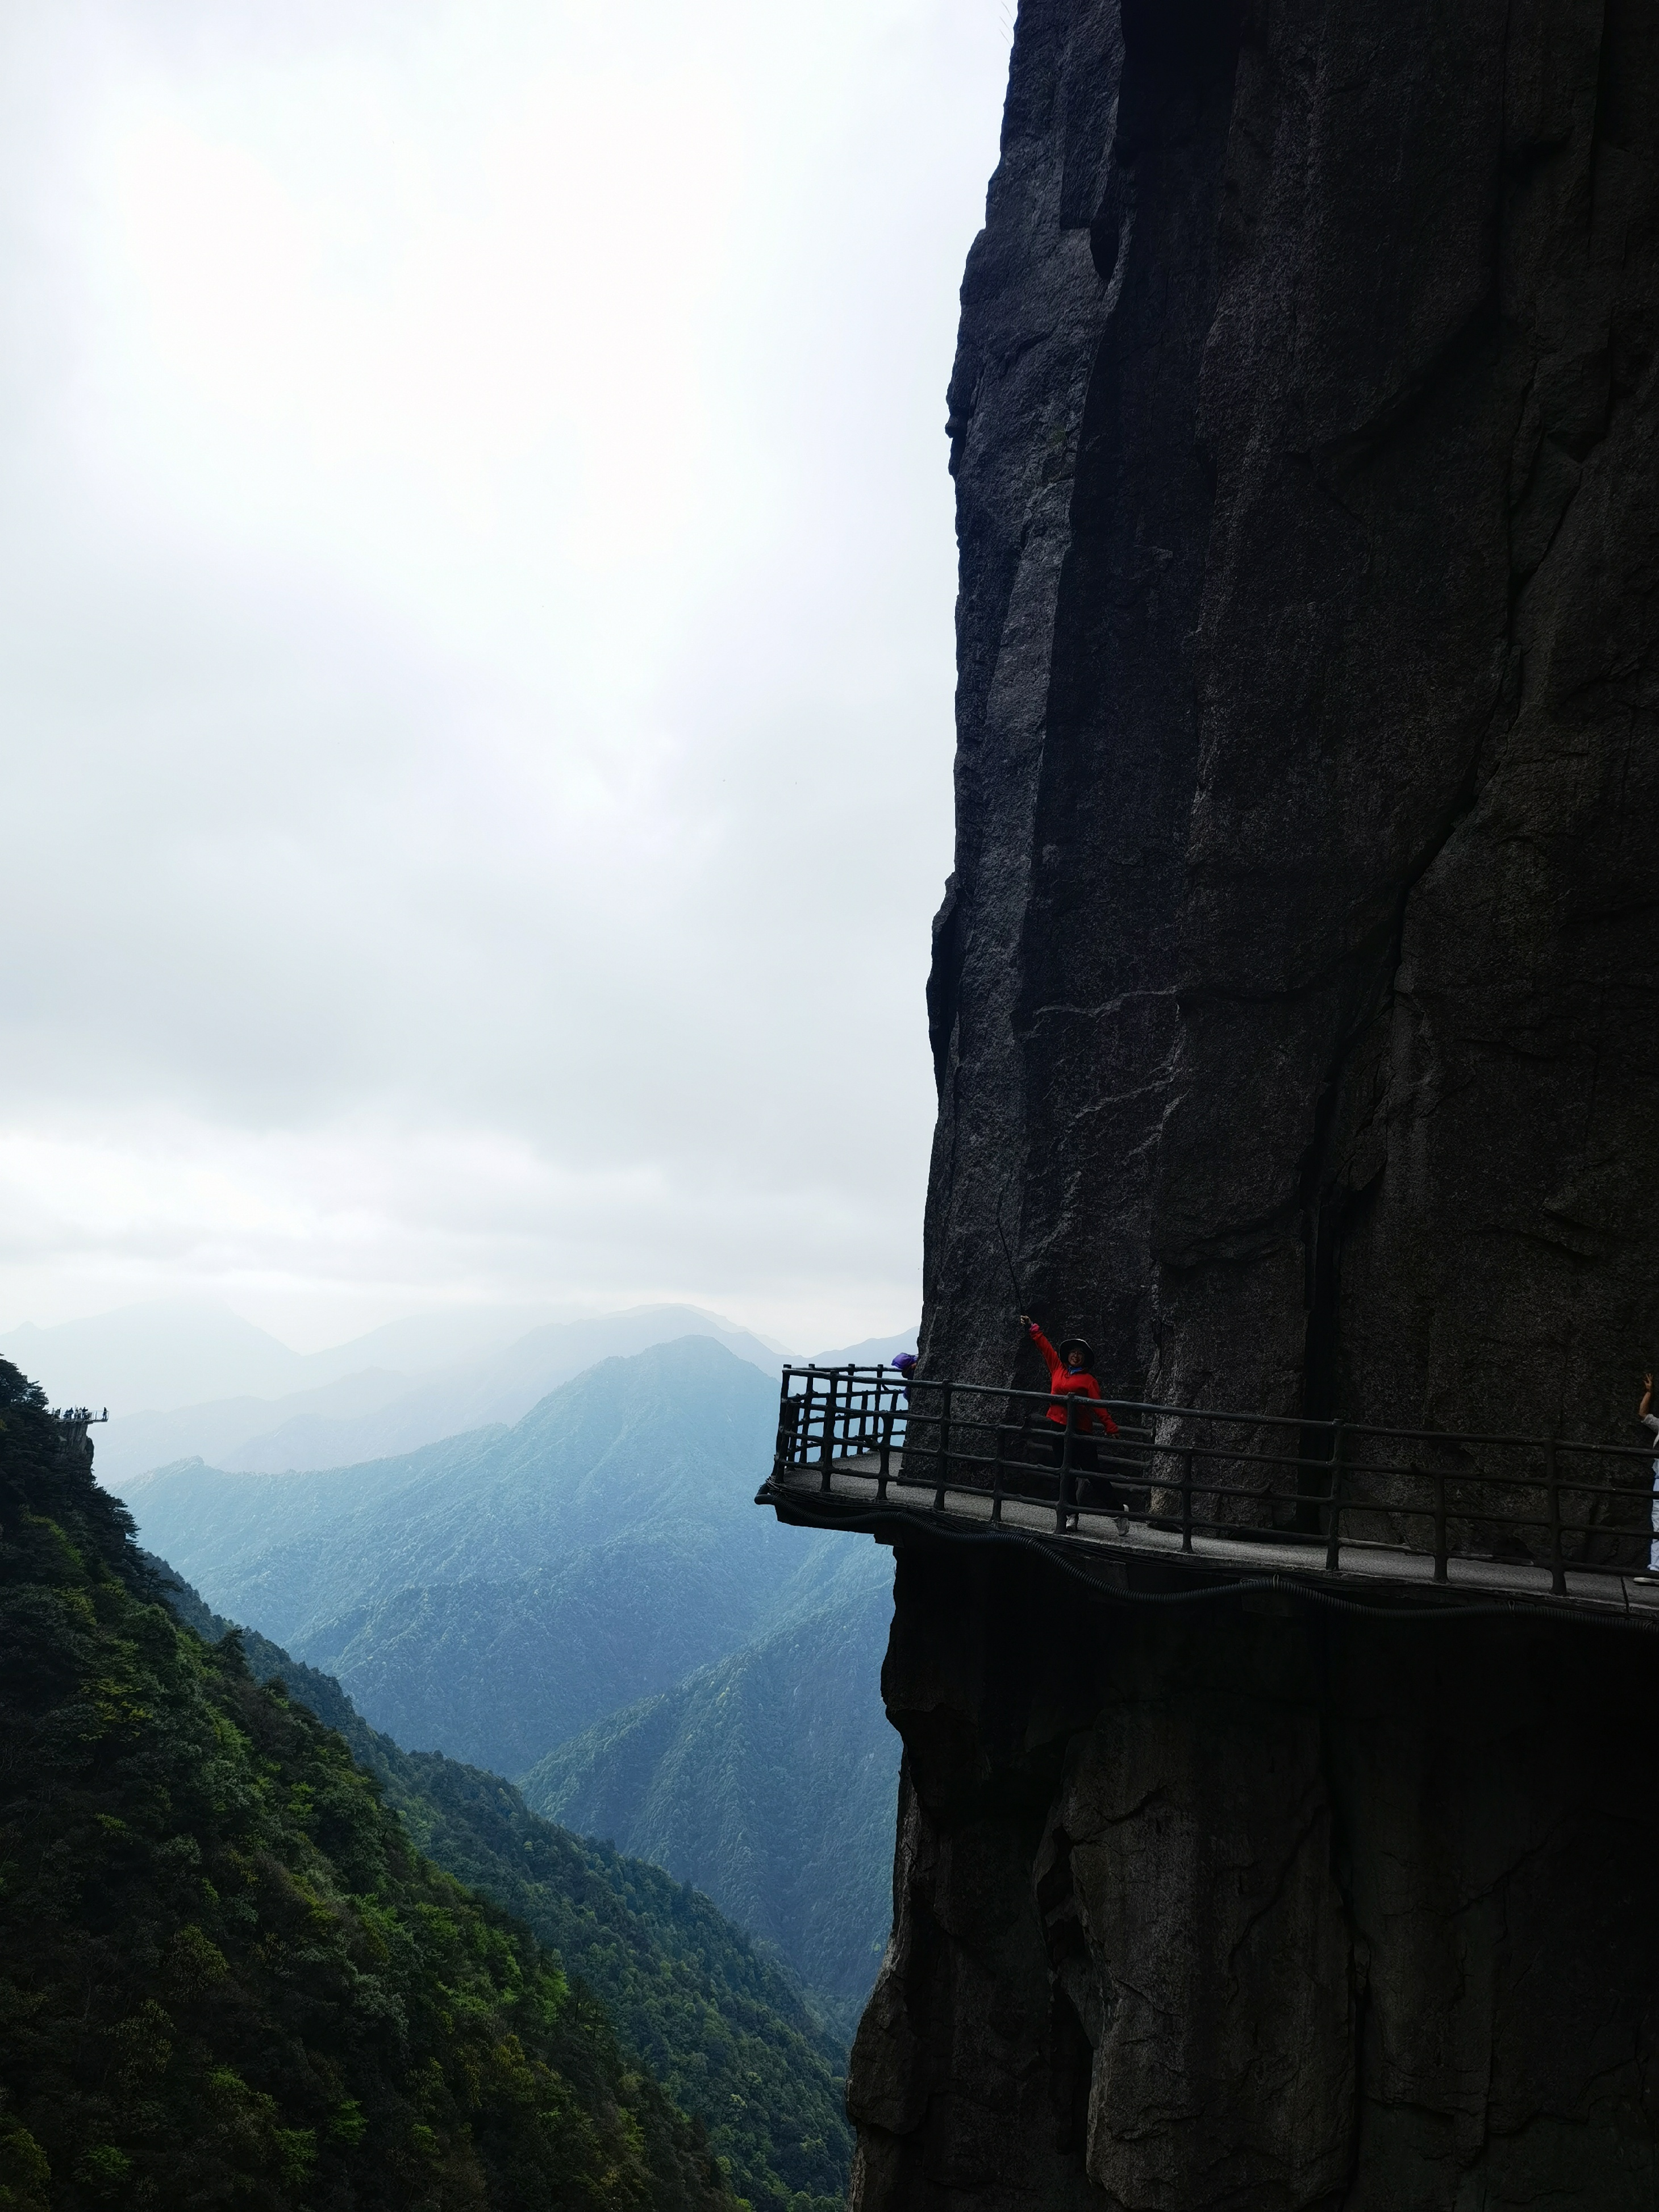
<point>1291,991</point>
<point>1291,1014</point>
<point>1201,1908</point>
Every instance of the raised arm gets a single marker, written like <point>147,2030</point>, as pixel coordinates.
<point>1643,1410</point>
<point>1052,1359</point>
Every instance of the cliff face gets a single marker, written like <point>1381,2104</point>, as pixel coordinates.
<point>1291,1009</point>
<point>1292,993</point>
<point>1198,1908</point>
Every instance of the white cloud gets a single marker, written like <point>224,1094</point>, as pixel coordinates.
<point>475,650</point>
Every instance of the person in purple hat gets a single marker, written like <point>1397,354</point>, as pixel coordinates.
<point>906,1364</point>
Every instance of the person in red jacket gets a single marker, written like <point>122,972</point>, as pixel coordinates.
<point>1069,1377</point>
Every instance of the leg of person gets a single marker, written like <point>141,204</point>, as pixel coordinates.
<point>1097,1490</point>
<point>1085,1467</point>
<point>1068,1493</point>
<point>1109,1494</point>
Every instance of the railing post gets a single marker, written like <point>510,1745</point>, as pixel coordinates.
<point>1333,1536</point>
<point>996,1482</point>
<point>1186,1500</point>
<point>1439,1525</point>
<point>886,1455</point>
<point>783,1451</point>
<point>1553,1483</point>
<point>828,1451</point>
<point>944,1446</point>
<point>1062,1504</point>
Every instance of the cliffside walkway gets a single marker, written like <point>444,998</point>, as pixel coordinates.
<point>1183,1495</point>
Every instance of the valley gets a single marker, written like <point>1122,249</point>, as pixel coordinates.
<point>588,1601</point>
<point>722,2025</point>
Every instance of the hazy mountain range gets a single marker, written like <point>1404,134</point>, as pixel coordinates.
<point>392,1390</point>
<point>196,1381</point>
<point>587,1574</point>
<point>170,1352</point>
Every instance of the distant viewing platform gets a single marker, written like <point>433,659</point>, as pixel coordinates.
<point>1179,1500</point>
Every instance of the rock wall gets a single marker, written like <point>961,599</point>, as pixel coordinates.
<point>1292,992</point>
<point>1290,1008</point>
<point>1199,1908</point>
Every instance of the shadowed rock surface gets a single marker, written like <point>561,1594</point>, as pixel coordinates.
<point>1291,1004</point>
<point>1294,982</point>
<point>1195,1907</point>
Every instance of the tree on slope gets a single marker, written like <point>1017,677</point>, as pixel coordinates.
<point>227,1976</point>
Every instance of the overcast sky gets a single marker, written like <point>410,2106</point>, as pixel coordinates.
<point>476,649</point>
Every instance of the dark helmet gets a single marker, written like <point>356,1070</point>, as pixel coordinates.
<point>1081,1345</point>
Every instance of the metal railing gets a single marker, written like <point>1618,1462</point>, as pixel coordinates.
<point>1319,1486</point>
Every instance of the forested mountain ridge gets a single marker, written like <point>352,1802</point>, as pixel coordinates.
<point>720,2026</point>
<point>227,1974</point>
<point>493,1595</point>
<point>495,1671</point>
<point>521,1594</point>
<point>768,1778</point>
<point>632,1444</point>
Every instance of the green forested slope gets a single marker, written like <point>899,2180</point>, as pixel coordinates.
<point>720,2026</point>
<point>493,1595</point>
<point>768,1779</point>
<point>226,1976</point>
<point>494,1672</point>
<point>723,2029</point>
<point>557,1589</point>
